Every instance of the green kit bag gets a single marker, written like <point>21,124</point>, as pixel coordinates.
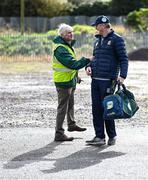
<point>120,105</point>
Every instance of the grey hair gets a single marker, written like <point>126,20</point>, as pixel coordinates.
<point>64,28</point>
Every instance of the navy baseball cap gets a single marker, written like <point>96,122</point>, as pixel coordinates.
<point>101,20</point>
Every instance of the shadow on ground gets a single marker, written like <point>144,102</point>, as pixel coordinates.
<point>88,156</point>
<point>32,156</point>
<point>84,158</point>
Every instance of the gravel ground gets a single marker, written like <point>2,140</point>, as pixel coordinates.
<point>29,99</point>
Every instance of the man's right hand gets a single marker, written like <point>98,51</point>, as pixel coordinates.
<point>88,71</point>
<point>91,58</point>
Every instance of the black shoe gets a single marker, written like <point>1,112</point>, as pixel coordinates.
<point>96,141</point>
<point>112,141</point>
<point>76,128</point>
<point>63,137</point>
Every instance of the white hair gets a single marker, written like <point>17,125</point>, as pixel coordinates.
<point>64,28</point>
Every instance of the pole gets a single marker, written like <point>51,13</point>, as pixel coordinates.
<point>22,16</point>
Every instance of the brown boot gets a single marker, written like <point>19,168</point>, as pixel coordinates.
<point>62,137</point>
<point>76,128</point>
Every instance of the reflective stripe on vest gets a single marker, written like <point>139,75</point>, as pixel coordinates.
<point>60,72</point>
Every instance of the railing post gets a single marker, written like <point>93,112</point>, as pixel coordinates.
<point>22,16</point>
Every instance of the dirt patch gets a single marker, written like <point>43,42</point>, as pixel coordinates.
<point>139,54</point>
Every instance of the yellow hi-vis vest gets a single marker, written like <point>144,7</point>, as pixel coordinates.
<point>60,72</point>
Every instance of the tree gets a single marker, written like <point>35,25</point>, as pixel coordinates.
<point>123,7</point>
<point>12,8</point>
<point>144,3</point>
<point>48,8</point>
<point>80,2</point>
<point>92,9</point>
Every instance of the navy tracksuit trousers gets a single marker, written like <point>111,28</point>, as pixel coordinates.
<point>99,89</point>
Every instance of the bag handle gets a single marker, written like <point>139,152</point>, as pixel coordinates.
<point>118,85</point>
<point>128,93</point>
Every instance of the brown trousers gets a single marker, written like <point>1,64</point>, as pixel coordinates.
<point>65,107</point>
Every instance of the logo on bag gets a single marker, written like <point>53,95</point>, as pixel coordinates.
<point>111,114</point>
<point>110,104</point>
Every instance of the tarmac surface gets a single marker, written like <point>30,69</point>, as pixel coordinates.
<point>31,153</point>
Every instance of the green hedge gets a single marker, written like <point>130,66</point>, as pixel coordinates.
<point>138,20</point>
<point>38,44</point>
<point>24,45</point>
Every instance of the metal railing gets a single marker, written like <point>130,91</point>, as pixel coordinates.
<point>39,47</point>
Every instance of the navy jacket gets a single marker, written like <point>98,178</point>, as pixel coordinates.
<point>110,57</point>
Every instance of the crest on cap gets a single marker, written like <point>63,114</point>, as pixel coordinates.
<point>104,19</point>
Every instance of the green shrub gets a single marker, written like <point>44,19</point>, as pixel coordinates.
<point>138,20</point>
<point>24,45</point>
<point>80,29</point>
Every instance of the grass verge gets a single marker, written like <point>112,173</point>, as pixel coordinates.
<point>24,64</point>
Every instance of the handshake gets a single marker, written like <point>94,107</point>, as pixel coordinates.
<point>91,58</point>
<point>88,69</point>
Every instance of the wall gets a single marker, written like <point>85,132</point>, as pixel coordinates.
<point>43,24</point>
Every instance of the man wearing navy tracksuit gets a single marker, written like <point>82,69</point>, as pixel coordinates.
<point>110,64</point>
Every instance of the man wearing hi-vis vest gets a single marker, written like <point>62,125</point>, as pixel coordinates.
<point>65,69</point>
